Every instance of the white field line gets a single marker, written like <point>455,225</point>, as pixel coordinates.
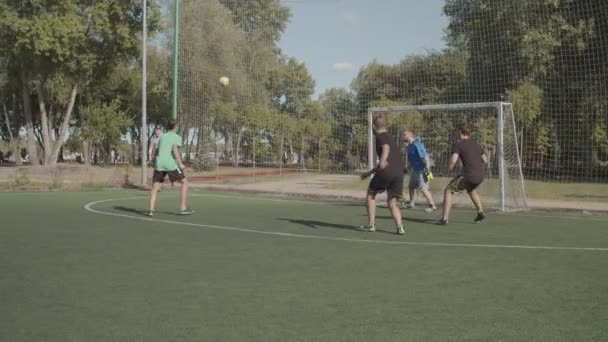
<point>90,207</point>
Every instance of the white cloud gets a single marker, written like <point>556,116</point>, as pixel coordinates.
<point>344,66</point>
<point>350,18</point>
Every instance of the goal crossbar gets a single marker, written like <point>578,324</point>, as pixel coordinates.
<point>444,107</point>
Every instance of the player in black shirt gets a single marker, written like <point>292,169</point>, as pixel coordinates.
<point>388,176</point>
<point>473,164</point>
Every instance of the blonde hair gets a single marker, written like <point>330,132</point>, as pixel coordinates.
<point>380,121</point>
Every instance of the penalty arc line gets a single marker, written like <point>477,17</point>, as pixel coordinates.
<point>89,207</point>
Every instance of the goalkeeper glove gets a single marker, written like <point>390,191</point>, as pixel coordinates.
<point>427,175</point>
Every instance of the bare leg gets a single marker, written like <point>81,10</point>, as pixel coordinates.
<point>447,204</point>
<point>155,187</point>
<point>412,195</point>
<point>476,200</point>
<point>429,198</point>
<point>371,208</point>
<point>183,195</point>
<point>393,205</point>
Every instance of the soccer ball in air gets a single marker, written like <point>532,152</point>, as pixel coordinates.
<point>224,81</point>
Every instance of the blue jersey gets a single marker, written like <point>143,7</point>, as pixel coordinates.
<point>415,155</point>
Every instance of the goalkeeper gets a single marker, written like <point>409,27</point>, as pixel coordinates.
<point>418,164</point>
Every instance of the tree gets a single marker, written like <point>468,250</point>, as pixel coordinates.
<point>341,107</point>
<point>418,79</point>
<point>557,45</point>
<point>527,99</point>
<point>104,125</point>
<point>68,42</point>
<point>11,118</point>
<point>291,87</point>
<point>238,40</point>
<point>260,19</point>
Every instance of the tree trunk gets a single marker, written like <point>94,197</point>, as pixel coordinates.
<point>16,148</point>
<point>86,153</point>
<point>44,125</point>
<point>186,143</point>
<point>228,146</point>
<point>29,121</point>
<point>63,131</point>
<point>237,147</point>
<point>12,141</point>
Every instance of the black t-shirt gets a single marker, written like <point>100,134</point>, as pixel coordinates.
<point>470,153</point>
<point>395,162</point>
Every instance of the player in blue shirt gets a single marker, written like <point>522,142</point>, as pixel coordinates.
<point>418,163</point>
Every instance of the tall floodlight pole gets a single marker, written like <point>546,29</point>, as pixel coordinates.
<point>144,97</point>
<point>175,58</point>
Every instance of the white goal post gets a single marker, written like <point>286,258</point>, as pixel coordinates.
<point>494,120</point>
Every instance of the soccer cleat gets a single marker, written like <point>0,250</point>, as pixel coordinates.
<point>410,206</point>
<point>186,212</point>
<point>430,209</point>
<point>151,213</point>
<point>442,222</point>
<point>369,227</point>
<point>480,217</point>
<point>400,230</point>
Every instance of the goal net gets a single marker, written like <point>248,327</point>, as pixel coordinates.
<point>492,125</point>
<point>282,124</point>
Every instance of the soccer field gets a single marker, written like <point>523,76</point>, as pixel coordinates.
<point>91,267</point>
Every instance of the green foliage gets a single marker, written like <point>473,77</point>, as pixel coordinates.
<point>599,138</point>
<point>76,38</point>
<point>74,142</point>
<point>433,78</point>
<point>291,87</point>
<point>260,19</point>
<point>547,56</point>
<point>527,99</point>
<point>57,48</point>
<point>104,125</point>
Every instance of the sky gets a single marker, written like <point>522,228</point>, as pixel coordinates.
<point>334,38</point>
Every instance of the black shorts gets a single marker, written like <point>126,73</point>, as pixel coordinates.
<point>392,185</point>
<point>460,184</point>
<point>174,176</point>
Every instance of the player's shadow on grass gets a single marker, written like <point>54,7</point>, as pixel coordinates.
<point>320,224</point>
<point>131,210</point>
<point>411,219</point>
<point>140,211</point>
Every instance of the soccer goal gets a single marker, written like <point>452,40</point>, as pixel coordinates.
<point>492,125</point>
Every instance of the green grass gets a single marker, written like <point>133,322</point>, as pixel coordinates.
<point>590,192</point>
<point>67,274</point>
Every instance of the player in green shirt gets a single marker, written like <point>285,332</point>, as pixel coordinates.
<point>168,162</point>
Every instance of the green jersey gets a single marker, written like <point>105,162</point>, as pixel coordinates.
<point>165,161</point>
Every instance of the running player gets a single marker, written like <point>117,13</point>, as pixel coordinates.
<point>388,176</point>
<point>473,163</point>
<point>169,163</point>
<point>419,165</point>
